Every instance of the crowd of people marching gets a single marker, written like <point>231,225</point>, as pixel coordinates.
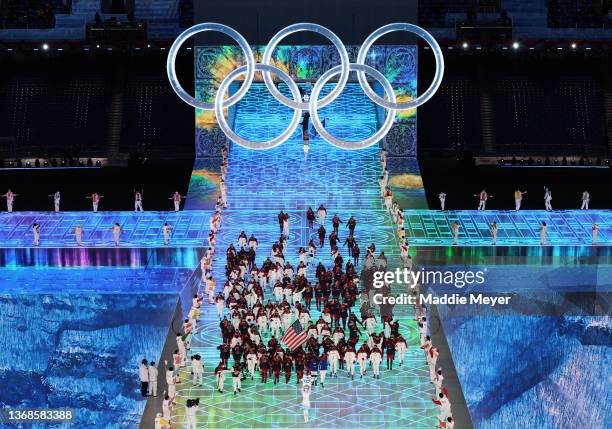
<point>279,324</point>
<point>268,305</point>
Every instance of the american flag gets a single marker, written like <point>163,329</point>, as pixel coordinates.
<point>295,336</point>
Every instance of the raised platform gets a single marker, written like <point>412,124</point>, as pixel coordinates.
<point>514,228</point>
<point>423,227</point>
<point>140,229</point>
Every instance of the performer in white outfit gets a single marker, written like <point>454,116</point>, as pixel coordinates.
<point>220,374</point>
<point>197,368</point>
<point>10,199</point>
<point>586,198</point>
<point>36,232</point>
<point>442,198</point>
<point>518,199</point>
<point>220,305</point>
<point>56,200</point>
<point>138,201</point>
<point>95,200</point>
<point>251,360</point>
<point>166,230</point>
<point>362,359</point>
<point>432,359</point>
<point>376,359</point>
<point>543,229</point>
<point>349,359</point>
<point>494,232</point>
<point>176,199</point>
<point>153,374</point>
<point>595,232</point>
<point>78,234</point>
<point>117,233</point>
<point>437,382</point>
<point>334,360</point>
<point>253,242</point>
<point>383,159</point>
<point>306,390</point>
<point>445,406</point>
<point>236,380</point>
<point>455,228</point>
<point>321,213</point>
<point>482,199</point>
<point>171,381</point>
<point>400,348</point>
<point>190,413</point>
<point>547,199</point>
<point>167,405</point>
<point>388,200</point>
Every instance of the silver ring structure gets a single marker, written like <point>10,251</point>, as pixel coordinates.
<point>199,28</point>
<point>319,29</point>
<point>268,144</point>
<point>411,28</point>
<point>314,108</point>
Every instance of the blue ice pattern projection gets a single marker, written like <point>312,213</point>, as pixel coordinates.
<point>307,63</point>
<point>71,341</point>
<point>350,117</point>
<point>543,360</point>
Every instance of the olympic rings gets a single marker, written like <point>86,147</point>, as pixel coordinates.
<point>435,84</point>
<point>305,26</point>
<point>295,121</point>
<point>314,111</point>
<point>345,67</point>
<point>198,28</point>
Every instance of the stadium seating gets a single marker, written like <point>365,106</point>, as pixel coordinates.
<point>577,13</point>
<point>452,119</point>
<point>70,114</point>
<point>153,116</point>
<point>27,14</point>
<point>46,116</point>
<point>541,116</point>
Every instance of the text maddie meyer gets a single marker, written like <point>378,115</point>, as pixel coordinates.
<point>411,278</point>
<point>445,299</point>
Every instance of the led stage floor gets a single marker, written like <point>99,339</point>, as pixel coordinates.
<point>260,184</point>
<point>190,227</point>
<point>401,397</point>
<point>143,229</point>
<point>514,228</point>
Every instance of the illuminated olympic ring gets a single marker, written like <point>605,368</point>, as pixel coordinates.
<point>199,28</point>
<point>344,63</point>
<point>314,105</point>
<point>219,105</point>
<point>343,70</point>
<point>411,28</point>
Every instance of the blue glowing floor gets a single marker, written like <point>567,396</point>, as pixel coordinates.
<point>190,229</point>
<point>260,184</point>
<point>522,228</point>
<point>258,196</point>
